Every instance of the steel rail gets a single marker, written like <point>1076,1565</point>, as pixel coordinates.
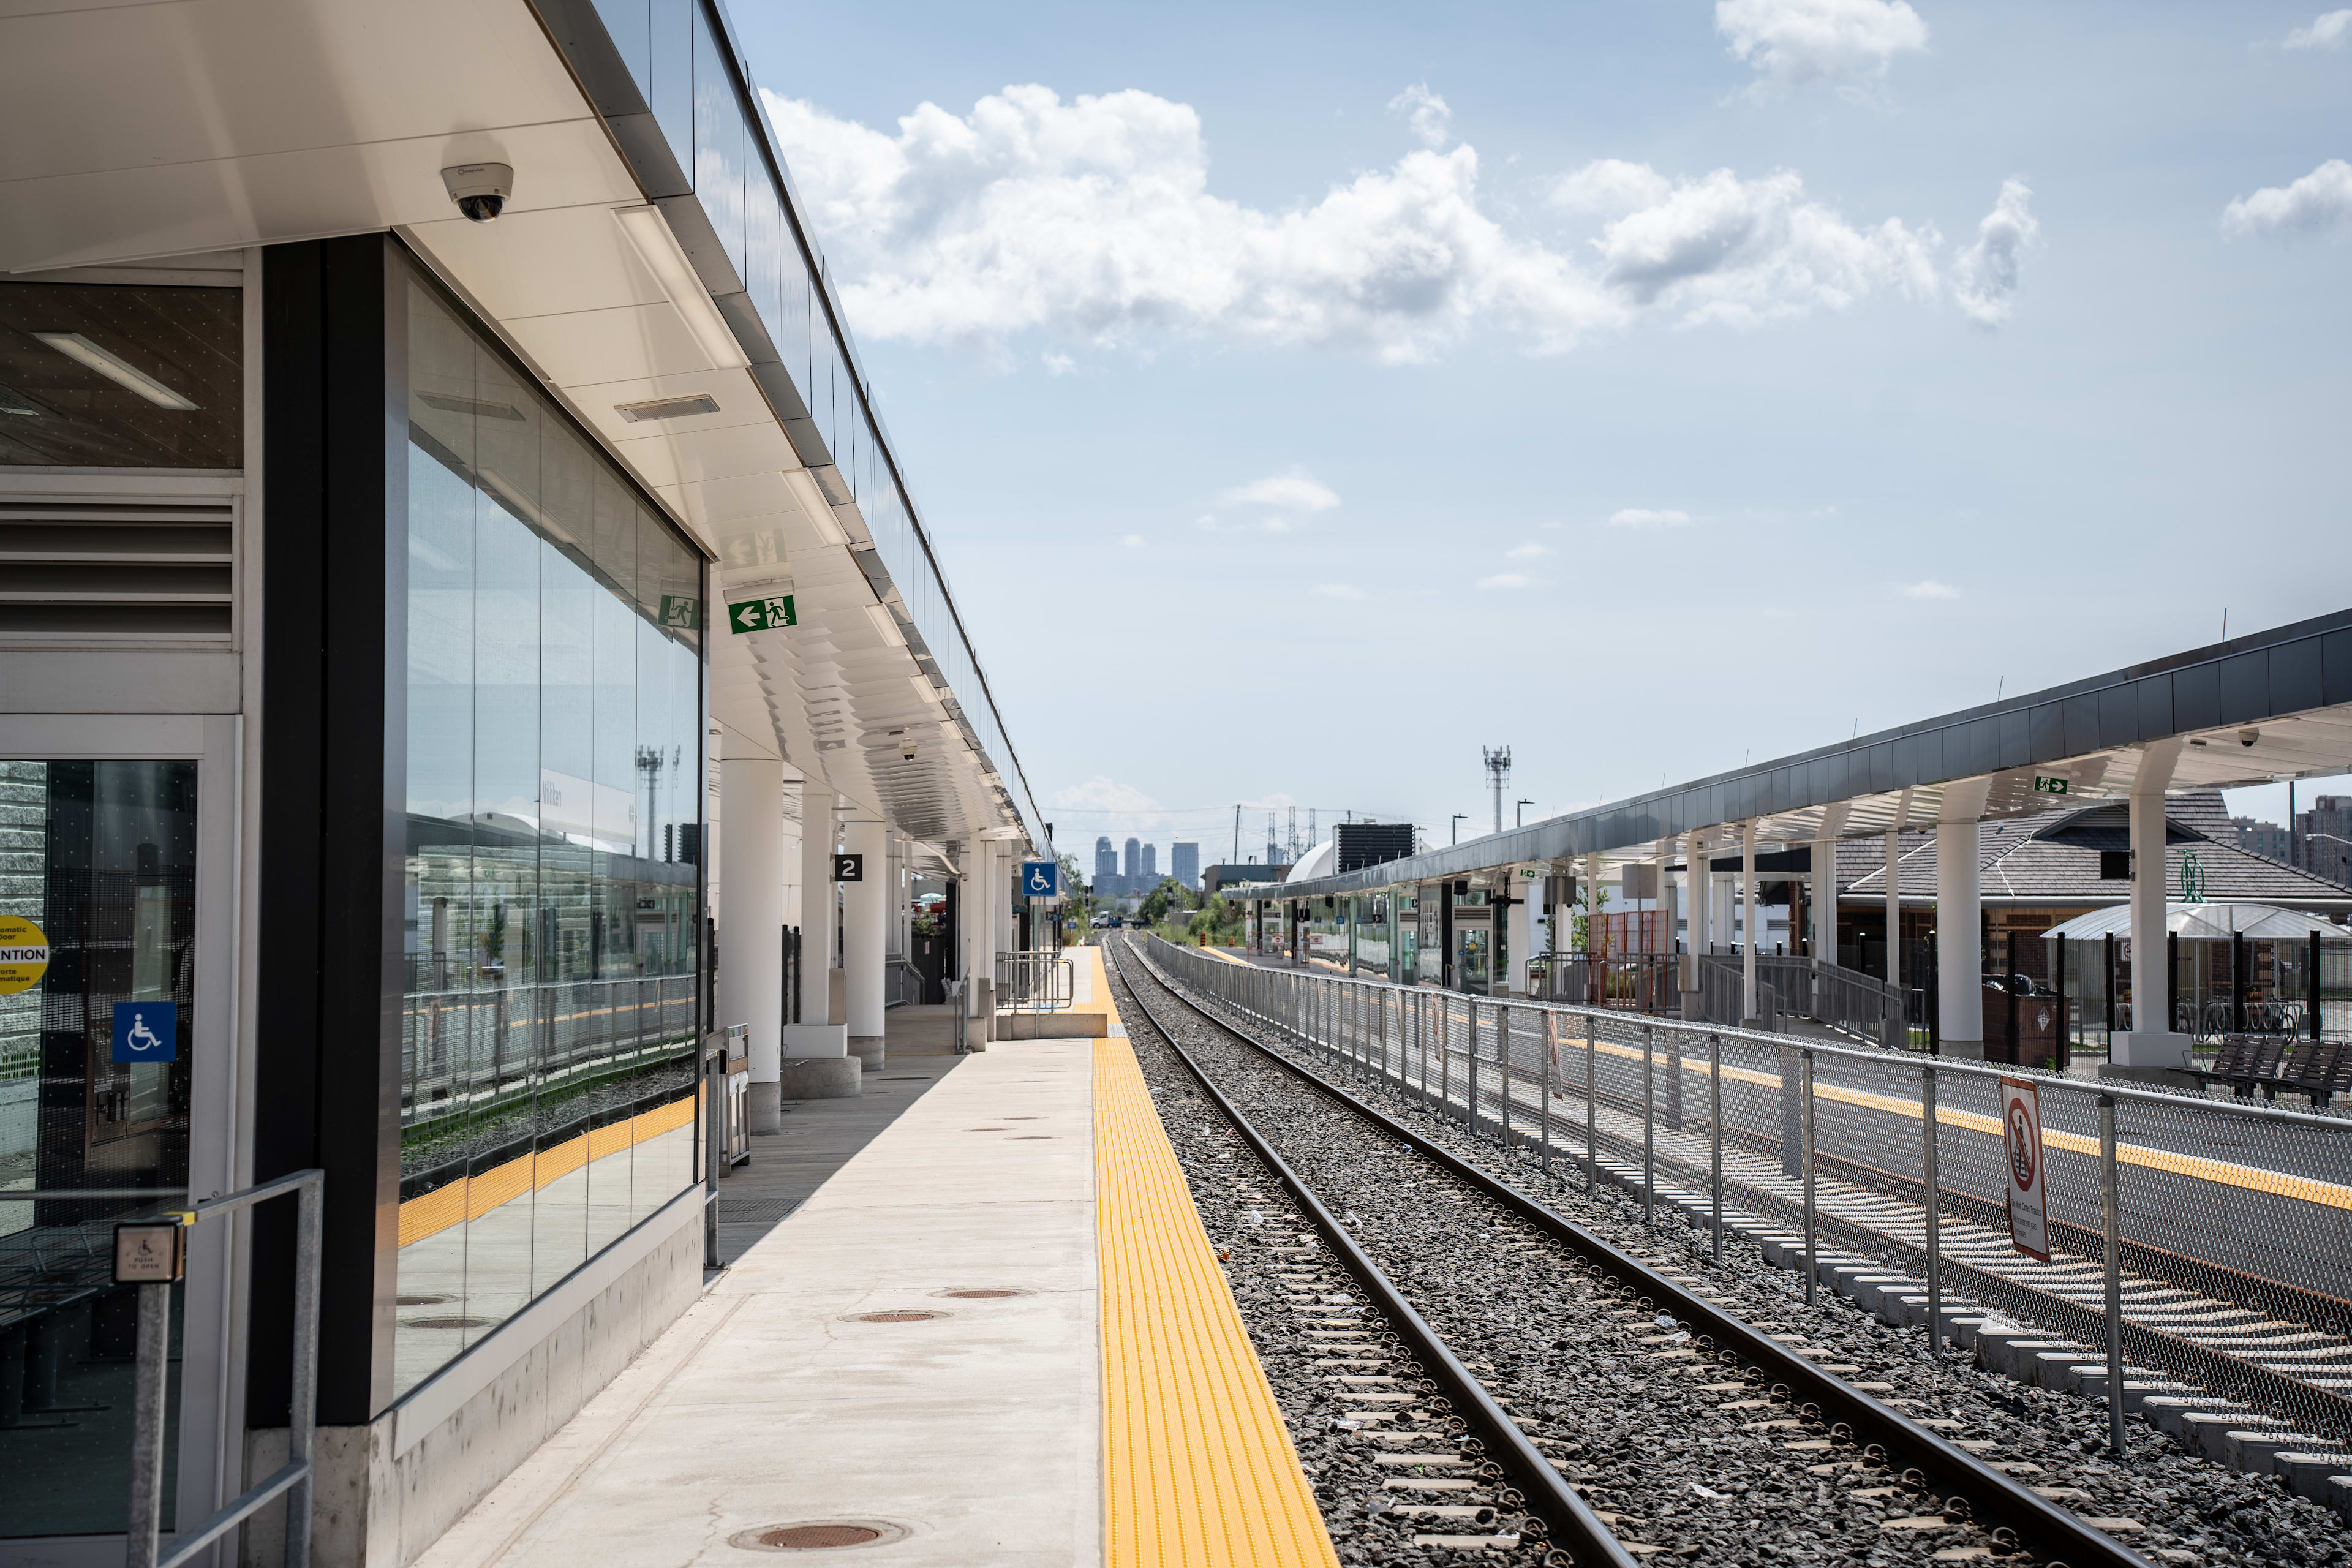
<point>2054,1535</point>
<point>1586,1539</point>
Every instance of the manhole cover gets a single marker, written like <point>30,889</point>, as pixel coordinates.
<point>916,1078</point>
<point>818,1535</point>
<point>981,1295</point>
<point>447,1322</point>
<point>418,1300</point>
<point>902,1315</point>
<point>1034,1137</point>
<point>987,1129</point>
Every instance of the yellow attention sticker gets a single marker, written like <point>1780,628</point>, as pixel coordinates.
<point>24,954</point>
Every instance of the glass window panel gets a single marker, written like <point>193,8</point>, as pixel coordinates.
<point>718,142</point>
<point>670,55</point>
<point>763,241</point>
<point>630,24</point>
<point>101,375</point>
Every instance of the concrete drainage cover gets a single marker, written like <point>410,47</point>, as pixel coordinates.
<point>900,1315</point>
<point>818,1535</point>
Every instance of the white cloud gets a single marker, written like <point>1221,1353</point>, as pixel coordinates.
<point>1984,278</point>
<point>2327,31</point>
<point>1530,551</point>
<point>1059,364</point>
<point>1508,580</point>
<point>1645,517</point>
<point>1794,42</point>
<point>1132,541</point>
<point>1093,219</point>
<point>1425,112</point>
<point>2316,204</point>
<point>1610,187</point>
<point>1743,252</point>
<point>1294,490</point>
<point>1339,590</point>
<point>1927,589</point>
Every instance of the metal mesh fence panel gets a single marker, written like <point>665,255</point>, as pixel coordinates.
<point>2234,1222</point>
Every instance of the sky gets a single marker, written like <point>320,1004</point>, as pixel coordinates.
<point>1302,399</point>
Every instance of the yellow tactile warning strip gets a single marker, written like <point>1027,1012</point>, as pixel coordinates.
<point>2252,1178</point>
<point>1197,1471</point>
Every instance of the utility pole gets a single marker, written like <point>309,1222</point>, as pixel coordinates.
<point>1498,775</point>
<point>1237,833</point>
<point>1519,818</point>
<point>1457,825</point>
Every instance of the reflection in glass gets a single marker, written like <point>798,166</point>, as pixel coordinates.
<point>551,944</point>
<point>98,861</point>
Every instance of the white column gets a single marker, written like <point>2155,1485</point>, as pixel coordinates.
<point>1825,891</point>
<point>2151,1041</point>
<point>1751,917</point>
<point>864,928</point>
<point>1894,908</point>
<point>1960,953</point>
<point>817,910</point>
<point>1698,919</point>
<point>1662,900</point>
<point>752,923</point>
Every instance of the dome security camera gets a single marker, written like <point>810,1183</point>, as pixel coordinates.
<point>480,190</point>
<point>2248,736</point>
<point>907,748</point>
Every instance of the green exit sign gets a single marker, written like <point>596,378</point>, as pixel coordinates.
<point>681,610</point>
<point>2043,784</point>
<point>761,615</point>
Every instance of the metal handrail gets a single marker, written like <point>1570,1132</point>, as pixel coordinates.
<point>1035,980</point>
<point>292,1479</point>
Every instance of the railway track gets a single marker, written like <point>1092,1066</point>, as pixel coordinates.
<point>1670,1424</point>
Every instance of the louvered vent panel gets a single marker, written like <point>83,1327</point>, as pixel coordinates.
<point>135,569</point>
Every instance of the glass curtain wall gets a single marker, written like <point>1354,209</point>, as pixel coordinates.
<point>554,819</point>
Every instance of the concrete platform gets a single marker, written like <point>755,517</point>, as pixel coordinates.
<point>1107,1408</point>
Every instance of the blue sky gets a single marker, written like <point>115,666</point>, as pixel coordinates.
<point>1302,398</point>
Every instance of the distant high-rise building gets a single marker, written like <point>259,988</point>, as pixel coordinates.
<point>2257,838</point>
<point>1185,863</point>
<point>1151,867</point>
<point>1106,870</point>
<point>2324,829</point>
<point>1133,869</point>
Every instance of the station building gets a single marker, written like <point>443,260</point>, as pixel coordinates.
<point>466,643</point>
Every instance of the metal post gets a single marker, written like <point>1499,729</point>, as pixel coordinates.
<point>1805,1104</point>
<point>1934,1195</point>
<point>1591,1118</point>
<point>714,1100</point>
<point>1715,1119</point>
<point>1445,1054</point>
<point>2110,1205</point>
<point>154,1351</point>
<point>1473,1067</point>
<point>1649,1122</point>
<point>1550,1050</point>
<point>309,1248</point>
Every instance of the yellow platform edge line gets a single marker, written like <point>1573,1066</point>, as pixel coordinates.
<point>1198,1468</point>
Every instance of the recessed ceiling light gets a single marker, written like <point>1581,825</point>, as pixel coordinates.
<point>115,368</point>
<point>667,408</point>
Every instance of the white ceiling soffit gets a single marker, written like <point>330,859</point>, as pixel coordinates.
<point>146,132</point>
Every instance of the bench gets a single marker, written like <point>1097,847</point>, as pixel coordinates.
<point>2320,1069</point>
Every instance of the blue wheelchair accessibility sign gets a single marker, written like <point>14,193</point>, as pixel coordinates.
<point>146,1032</point>
<point>1040,879</point>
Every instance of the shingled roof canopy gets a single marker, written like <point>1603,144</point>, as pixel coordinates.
<point>2054,860</point>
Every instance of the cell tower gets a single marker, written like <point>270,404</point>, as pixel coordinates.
<point>1499,775</point>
